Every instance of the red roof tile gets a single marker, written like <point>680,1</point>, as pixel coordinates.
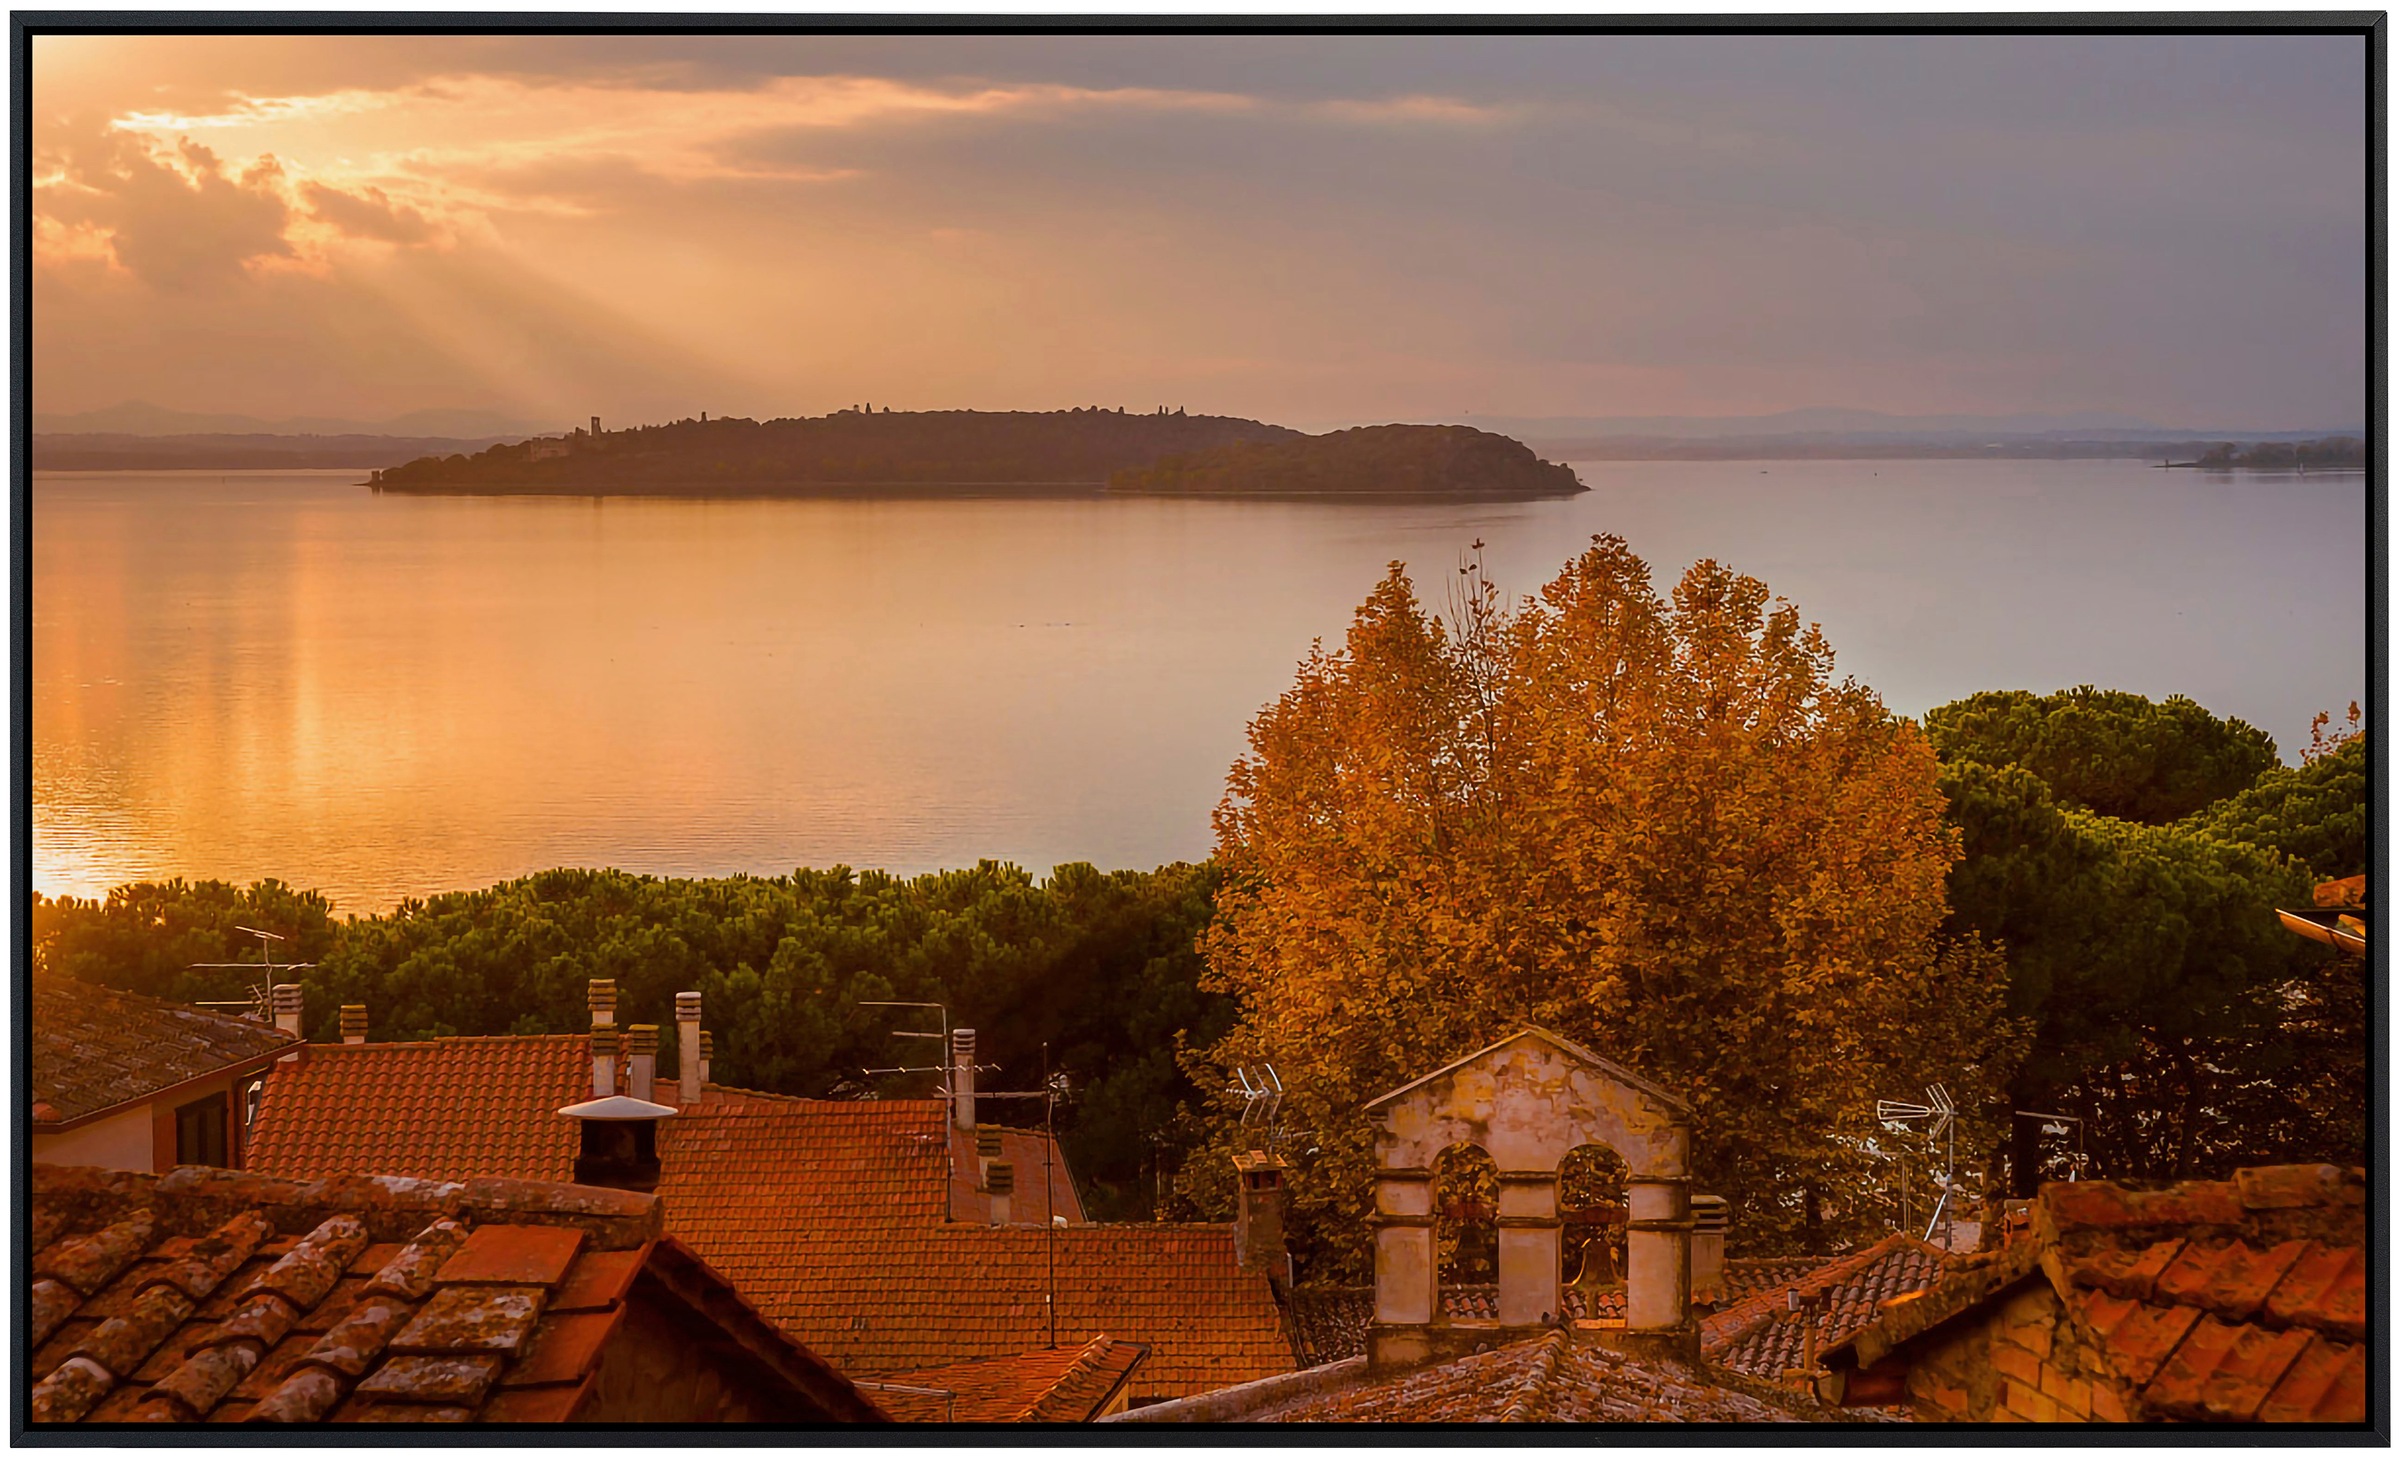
<point>1555,1378</point>
<point>451,1109</point>
<point>2326,1383</point>
<point>1066,1384</point>
<point>2210,1300</point>
<point>1761,1336</point>
<point>2222,1372</point>
<point>217,1295</point>
<point>2231,1279</point>
<point>521,1254</point>
<point>834,1218</point>
<point>830,1217</point>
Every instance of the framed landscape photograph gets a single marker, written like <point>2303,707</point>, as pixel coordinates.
<point>833,721</point>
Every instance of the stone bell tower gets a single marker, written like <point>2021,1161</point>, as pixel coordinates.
<point>1527,1100</point>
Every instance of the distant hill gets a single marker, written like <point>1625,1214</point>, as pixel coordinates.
<point>251,452</point>
<point>1828,434</point>
<point>1822,426</point>
<point>140,417</point>
<point>851,450</point>
<point>1451,460</point>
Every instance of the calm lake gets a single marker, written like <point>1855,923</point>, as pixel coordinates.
<point>283,674</point>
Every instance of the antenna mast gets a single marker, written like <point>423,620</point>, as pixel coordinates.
<point>1942,1117</point>
<point>261,1002</point>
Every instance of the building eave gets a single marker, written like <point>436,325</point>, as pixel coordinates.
<point>254,1063</point>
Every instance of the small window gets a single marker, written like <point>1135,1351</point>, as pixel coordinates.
<point>200,1132</point>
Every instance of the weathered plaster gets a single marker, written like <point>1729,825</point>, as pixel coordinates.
<point>1527,1101</point>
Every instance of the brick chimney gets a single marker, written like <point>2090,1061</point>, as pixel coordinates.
<point>1258,1219</point>
<point>1001,1181</point>
<point>687,1046</point>
<point>354,1022</point>
<point>962,1077</point>
<point>604,1060</point>
<point>641,1060</point>
<point>1711,1214</point>
<point>708,1050</point>
<point>284,998</point>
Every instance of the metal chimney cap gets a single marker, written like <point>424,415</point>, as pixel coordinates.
<point>617,1107</point>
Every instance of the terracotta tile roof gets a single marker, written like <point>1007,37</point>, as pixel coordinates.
<point>454,1108</point>
<point>1066,1384</point>
<point>1746,1276</point>
<point>450,1109</point>
<point>879,1300</point>
<point>224,1296</point>
<point>95,1048</point>
<point>1030,1156</point>
<point>1554,1378</point>
<point>832,1217</point>
<point>1330,1322</point>
<point>2212,1300</point>
<point>1760,1335</point>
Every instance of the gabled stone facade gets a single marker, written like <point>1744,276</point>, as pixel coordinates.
<point>1527,1101</point>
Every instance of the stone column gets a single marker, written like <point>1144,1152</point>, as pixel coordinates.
<point>1658,1252</point>
<point>1405,1267</point>
<point>1528,1246</point>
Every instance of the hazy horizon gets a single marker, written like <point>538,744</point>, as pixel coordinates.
<point>1309,229</point>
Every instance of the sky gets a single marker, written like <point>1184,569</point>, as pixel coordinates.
<point>1310,230</point>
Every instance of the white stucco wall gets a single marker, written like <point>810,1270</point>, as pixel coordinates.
<point>120,1141</point>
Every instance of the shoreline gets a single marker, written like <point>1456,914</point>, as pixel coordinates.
<point>954,490</point>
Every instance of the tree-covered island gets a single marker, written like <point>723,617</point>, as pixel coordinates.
<point>1379,460</point>
<point>2336,453</point>
<point>851,450</point>
<point>1075,451</point>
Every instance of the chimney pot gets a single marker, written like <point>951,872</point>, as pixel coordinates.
<point>962,1077</point>
<point>641,1060</point>
<point>601,995</point>
<point>284,999</point>
<point>604,1060</point>
<point>354,1022</point>
<point>687,1046</point>
<point>1001,1181</point>
<point>1711,1214</point>
<point>987,1149</point>
<point>618,1142</point>
<point>708,1050</point>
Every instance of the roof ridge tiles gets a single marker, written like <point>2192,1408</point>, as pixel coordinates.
<point>194,1199</point>
<point>1544,1367</point>
<point>1086,1359</point>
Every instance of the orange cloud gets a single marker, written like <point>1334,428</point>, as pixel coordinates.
<point>175,217</point>
<point>367,214</point>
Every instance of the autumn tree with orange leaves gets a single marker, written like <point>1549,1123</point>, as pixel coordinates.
<point>1657,827</point>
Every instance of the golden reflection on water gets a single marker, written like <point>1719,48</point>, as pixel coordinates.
<point>283,675</point>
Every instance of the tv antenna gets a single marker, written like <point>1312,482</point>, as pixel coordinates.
<point>1262,1097</point>
<point>941,1052</point>
<point>1941,1119</point>
<point>260,1004</point>
<point>2061,1124</point>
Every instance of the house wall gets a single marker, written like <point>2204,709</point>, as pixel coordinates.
<point>162,1121</point>
<point>662,1366</point>
<point>120,1141</point>
<point>2018,1359</point>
